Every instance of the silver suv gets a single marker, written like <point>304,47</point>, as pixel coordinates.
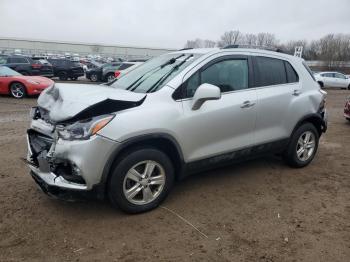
<point>177,114</point>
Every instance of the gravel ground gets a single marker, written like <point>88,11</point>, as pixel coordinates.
<point>259,210</point>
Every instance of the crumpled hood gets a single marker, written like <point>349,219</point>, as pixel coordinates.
<point>68,101</point>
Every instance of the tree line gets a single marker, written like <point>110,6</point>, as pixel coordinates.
<point>333,49</point>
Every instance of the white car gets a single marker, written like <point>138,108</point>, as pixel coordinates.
<point>333,79</point>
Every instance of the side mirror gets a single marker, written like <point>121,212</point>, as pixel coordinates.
<point>203,93</point>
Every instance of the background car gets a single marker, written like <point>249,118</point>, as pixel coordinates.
<point>347,109</point>
<point>65,68</point>
<point>18,86</point>
<point>103,72</point>
<point>126,67</point>
<point>26,65</point>
<point>333,79</point>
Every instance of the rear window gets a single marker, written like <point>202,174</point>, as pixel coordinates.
<point>269,71</point>
<point>292,76</point>
<point>125,66</point>
<point>18,60</point>
<point>309,70</point>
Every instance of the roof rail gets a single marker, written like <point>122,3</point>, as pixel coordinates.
<point>274,49</point>
<point>187,48</point>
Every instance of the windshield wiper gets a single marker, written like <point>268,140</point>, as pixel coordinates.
<point>164,77</point>
<point>137,83</point>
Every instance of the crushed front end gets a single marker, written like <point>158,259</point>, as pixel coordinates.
<point>66,168</point>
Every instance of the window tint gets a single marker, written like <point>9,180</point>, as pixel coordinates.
<point>18,60</point>
<point>328,75</point>
<point>341,76</point>
<point>292,76</point>
<point>269,71</point>
<point>125,66</point>
<point>228,75</point>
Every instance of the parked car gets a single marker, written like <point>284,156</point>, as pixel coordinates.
<point>103,73</point>
<point>174,115</point>
<point>126,67</point>
<point>333,79</point>
<point>17,85</point>
<point>347,109</point>
<point>65,69</point>
<point>26,65</point>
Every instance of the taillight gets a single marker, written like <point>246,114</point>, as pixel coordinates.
<point>117,73</point>
<point>36,66</point>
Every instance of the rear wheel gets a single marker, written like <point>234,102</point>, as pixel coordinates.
<point>110,77</point>
<point>18,90</point>
<point>74,78</point>
<point>303,146</point>
<point>94,77</point>
<point>25,73</point>
<point>62,76</point>
<point>141,180</point>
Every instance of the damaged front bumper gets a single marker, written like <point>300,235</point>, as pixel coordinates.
<point>60,166</point>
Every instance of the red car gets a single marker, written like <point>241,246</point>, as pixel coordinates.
<point>347,109</point>
<point>19,86</point>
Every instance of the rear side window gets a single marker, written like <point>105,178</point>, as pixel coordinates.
<point>292,76</point>
<point>269,71</point>
<point>18,60</point>
<point>309,70</point>
<point>125,66</point>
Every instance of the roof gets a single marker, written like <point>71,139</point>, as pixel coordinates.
<point>203,51</point>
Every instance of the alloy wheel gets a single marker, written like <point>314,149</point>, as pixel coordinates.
<point>17,90</point>
<point>144,182</point>
<point>306,146</point>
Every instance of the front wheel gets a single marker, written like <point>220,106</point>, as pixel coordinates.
<point>18,90</point>
<point>303,146</point>
<point>141,180</point>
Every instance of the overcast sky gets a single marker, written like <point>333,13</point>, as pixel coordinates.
<point>169,23</point>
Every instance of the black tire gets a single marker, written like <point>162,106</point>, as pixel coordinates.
<point>127,162</point>
<point>25,73</point>
<point>63,76</point>
<point>74,78</point>
<point>291,155</point>
<point>94,78</point>
<point>18,90</point>
<point>109,77</point>
<point>321,84</point>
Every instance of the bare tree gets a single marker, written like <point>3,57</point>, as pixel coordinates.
<point>229,38</point>
<point>209,43</point>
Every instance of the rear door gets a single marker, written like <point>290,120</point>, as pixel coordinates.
<point>224,125</point>
<point>277,85</point>
<point>342,81</point>
<point>329,80</point>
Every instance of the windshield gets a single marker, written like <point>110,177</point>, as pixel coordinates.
<point>154,74</point>
<point>5,71</point>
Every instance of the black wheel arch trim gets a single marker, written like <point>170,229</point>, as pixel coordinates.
<point>310,118</point>
<point>129,143</point>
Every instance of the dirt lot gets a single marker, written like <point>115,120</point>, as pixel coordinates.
<point>260,210</point>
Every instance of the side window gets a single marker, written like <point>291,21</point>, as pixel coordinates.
<point>228,75</point>
<point>292,76</point>
<point>125,66</point>
<point>341,76</point>
<point>269,71</point>
<point>18,60</point>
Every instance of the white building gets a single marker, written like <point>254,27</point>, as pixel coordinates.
<point>30,47</point>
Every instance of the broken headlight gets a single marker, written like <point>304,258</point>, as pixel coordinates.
<point>83,129</point>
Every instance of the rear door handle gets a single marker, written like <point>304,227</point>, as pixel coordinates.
<point>247,104</point>
<point>296,93</point>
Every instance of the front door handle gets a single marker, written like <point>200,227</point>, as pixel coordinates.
<point>296,92</point>
<point>247,104</point>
